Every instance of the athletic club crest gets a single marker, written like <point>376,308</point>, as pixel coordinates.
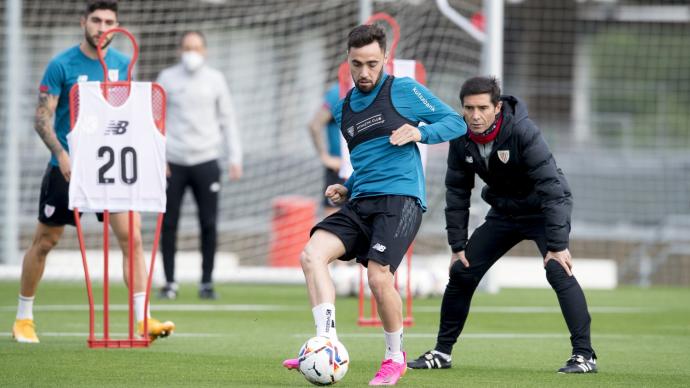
<point>504,155</point>
<point>48,210</point>
<point>113,75</point>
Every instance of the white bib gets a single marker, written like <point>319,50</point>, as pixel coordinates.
<point>117,153</point>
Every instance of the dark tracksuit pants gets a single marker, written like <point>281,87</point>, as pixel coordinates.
<point>486,245</point>
<point>204,180</point>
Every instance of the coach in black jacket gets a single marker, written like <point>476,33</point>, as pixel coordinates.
<point>530,200</point>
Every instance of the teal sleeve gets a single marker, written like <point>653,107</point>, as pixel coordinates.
<point>350,182</point>
<point>332,96</point>
<point>53,79</point>
<point>336,111</point>
<point>414,101</point>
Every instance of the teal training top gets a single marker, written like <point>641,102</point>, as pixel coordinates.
<point>384,169</point>
<point>72,66</point>
<point>332,129</point>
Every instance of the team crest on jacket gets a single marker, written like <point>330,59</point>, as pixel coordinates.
<point>503,155</point>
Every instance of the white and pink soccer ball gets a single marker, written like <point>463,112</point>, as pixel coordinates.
<point>323,361</point>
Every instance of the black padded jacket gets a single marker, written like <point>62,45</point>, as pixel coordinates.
<point>522,180</point>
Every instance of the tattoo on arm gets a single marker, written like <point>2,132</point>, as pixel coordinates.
<point>43,123</point>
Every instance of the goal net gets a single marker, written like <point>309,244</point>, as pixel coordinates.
<point>278,57</point>
<point>606,81</point>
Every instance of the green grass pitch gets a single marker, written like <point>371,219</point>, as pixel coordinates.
<point>513,338</point>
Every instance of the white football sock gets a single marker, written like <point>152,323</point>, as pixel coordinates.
<point>324,318</point>
<point>25,307</point>
<point>394,346</point>
<point>139,302</point>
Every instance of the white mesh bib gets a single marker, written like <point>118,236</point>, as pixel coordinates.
<point>117,153</point>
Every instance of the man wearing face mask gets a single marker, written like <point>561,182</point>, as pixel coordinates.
<point>530,200</point>
<point>199,113</point>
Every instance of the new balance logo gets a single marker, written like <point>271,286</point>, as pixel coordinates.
<point>379,247</point>
<point>117,127</point>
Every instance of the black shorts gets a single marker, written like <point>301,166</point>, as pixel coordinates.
<point>330,177</point>
<point>53,204</point>
<point>377,228</point>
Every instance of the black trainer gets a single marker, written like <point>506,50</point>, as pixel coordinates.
<point>429,360</point>
<point>579,364</point>
<point>169,291</point>
<point>206,291</point>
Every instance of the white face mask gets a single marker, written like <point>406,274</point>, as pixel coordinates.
<point>192,60</point>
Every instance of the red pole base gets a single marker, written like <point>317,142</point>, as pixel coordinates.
<point>376,322</point>
<point>119,343</point>
<point>373,320</point>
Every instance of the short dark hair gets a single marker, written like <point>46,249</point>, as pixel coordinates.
<point>192,32</point>
<point>365,34</point>
<point>94,5</point>
<point>481,85</point>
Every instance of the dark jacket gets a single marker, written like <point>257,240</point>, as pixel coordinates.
<point>522,184</point>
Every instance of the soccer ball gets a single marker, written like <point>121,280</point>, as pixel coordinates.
<point>323,361</point>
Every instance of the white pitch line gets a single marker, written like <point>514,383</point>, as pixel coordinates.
<point>537,309</point>
<point>343,335</point>
<point>466,336</point>
<point>123,335</point>
<point>463,336</point>
<point>475,335</point>
<point>274,307</point>
<point>161,307</point>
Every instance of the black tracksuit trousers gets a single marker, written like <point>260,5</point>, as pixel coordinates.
<point>486,245</point>
<point>204,180</point>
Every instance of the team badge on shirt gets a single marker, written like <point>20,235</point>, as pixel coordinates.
<point>503,155</point>
<point>113,74</point>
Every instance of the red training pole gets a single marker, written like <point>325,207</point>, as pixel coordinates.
<point>106,307</point>
<point>87,278</point>
<point>131,275</point>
